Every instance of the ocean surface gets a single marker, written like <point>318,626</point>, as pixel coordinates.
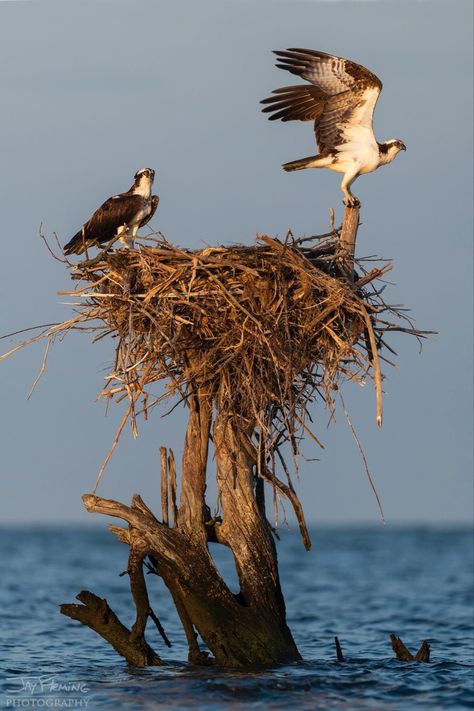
<point>358,583</point>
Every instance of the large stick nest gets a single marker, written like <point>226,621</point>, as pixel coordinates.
<point>260,330</point>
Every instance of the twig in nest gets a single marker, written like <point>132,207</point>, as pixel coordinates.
<point>376,366</point>
<point>63,259</point>
<point>362,454</point>
<point>42,369</point>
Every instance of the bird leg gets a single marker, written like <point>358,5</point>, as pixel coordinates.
<point>125,237</point>
<point>130,243</point>
<point>350,200</point>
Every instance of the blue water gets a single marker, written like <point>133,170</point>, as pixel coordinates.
<point>361,584</point>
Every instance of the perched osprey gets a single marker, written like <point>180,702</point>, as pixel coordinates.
<point>340,98</point>
<point>120,215</point>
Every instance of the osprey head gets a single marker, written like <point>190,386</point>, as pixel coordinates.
<point>147,173</point>
<point>396,144</point>
<point>389,149</point>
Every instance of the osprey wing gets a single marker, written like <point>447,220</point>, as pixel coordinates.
<point>153,205</point>
<point>115,212</point>
<point>340,98</point>
<point>104,223</point>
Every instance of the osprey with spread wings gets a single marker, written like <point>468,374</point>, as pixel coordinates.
<point>340,98</point>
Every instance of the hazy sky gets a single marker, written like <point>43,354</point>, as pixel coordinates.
<point>92,91</point>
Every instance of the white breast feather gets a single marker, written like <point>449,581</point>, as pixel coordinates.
<point>360,147</point>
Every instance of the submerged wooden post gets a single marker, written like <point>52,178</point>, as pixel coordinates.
<point>404,655</point>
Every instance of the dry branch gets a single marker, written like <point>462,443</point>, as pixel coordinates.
<point>96,614</point>
<point>164,485</point>
<point>173,485</point>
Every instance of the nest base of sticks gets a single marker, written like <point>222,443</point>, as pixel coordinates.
<point>247,337</point>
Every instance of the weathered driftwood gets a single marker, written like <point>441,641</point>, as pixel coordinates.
<point>96,614</point>
<point>401,652</point>
<point>404,655</point>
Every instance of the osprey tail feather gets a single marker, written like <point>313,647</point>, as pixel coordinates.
<point>311,162</point>
<point>76,245</point>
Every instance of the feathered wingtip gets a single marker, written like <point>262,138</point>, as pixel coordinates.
<point>296,60</point>
<point>75,245</point>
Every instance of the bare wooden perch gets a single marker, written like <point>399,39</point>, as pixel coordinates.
<point>348,236</point>
<point>247,337</point>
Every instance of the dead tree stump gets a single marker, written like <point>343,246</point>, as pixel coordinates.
<point>248,628</point>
